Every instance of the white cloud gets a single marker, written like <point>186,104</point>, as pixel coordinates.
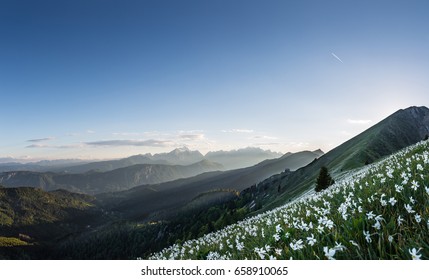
<point>298,144</point>
<point>126,133</point>
<point>264,137</point>
<point>37,146</point>
<point>41,140</point>
<point>191,136</point>
<point>139,143</point>
<point>239,130</point>
<point>44,146</point>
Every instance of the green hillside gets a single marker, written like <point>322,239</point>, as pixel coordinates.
<point>379,212</point>
<point>399,130</point>
<point>30,206</point>
<point>142,201</point>
<point>32,220</point>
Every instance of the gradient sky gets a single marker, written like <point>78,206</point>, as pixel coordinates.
<point>107,79</point>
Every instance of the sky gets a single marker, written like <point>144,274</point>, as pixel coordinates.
<point>96,79</point>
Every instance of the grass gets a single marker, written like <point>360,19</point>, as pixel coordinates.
<point>11,242</point>
<point>378,212</point>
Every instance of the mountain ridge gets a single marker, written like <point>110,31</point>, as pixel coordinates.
<point>232,159</point>
<point>399,130</point>
<point>115,180</point>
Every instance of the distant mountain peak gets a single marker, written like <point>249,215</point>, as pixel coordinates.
<point>319,152</point>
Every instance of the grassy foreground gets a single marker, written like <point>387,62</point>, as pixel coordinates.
<point>378,212</point>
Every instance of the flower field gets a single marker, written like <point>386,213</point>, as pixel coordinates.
<point>379,212</point>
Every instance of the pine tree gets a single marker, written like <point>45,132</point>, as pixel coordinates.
<point>324,180</point>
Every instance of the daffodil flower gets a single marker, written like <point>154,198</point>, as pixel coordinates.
<point>367,236</point>
<point>370,215</point>
<point>399,220</point>
<point>414,253</point>
<point>409,209</point>
<point>329,253</point>
<point>418,218</point>
<point>311,240</point>
<point>392,201</point>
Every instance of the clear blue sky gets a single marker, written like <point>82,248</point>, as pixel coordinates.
<point>103,79</point>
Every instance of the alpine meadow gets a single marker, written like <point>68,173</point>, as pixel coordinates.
<point>156,131</point>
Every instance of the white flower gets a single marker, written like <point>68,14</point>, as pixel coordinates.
<point>310,240</point>
<point>379,218</point>
<point>329,224</point>
<point>213,256</point>
<point>278,228</point>
<point>297,245</point>
<point>427,190</point>
<point>412,200</point>
<point>370,215</point>
<point>414,185</point>
<point>240,246</point>
<point>400,220</point>
<point>398,188</point>
<point>390,238</point>
<point>409,209</point>
<point>392,201</point>
<point>339,247</point>
<point>360,209</point>
<point>276,237</point>
<point>414,253</point>
<point>329,253</point>
<point>377,225</point>
<point>419,167</point>
<point>272,258</point>
<point>261,252</point>
<point>367,236</point>
<point>278,251</point>
<point>418,218</point>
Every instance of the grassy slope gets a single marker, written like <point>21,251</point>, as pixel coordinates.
<point>401,129</point>
<point>380,212</point>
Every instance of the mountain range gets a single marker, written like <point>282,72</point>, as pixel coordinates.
<point>99,182</point>
<point>147,199</point>
<point>144,218</point>
<point>181,156</point>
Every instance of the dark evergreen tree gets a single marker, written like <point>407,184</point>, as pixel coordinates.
<point>324,180</point>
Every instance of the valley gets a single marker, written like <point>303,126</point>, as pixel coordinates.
<point>139,210</point>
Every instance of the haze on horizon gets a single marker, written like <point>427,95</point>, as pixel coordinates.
<point>108,79</point>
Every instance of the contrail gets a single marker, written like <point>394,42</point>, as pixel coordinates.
<point>339,59</point>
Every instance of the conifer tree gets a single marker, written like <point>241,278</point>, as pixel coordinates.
<point>324,180</point>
